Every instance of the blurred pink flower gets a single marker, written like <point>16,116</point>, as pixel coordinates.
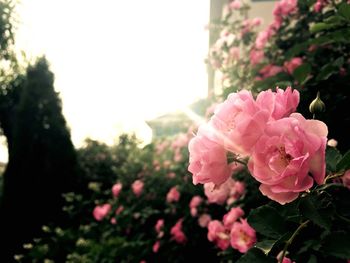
<point>156,246</point>
<point>208,161</point>
<point>256,56</point>
<point>101,211</point>
<point>243,236</point>
<point>234,53</point>
<point>232,216</point>
<point>195,202</point>
<point>173,195</point>
<point>159,225</point>
<point>262,39</point>
<point>177,234</point>
<point>218,194</point>
<point>116,189</point>
<point>285,259</point>
<point>137,187</point>
<point>285,7</point>
<point>218,234</point>
<point>290,149</point>
<point>113,221</point>
<point>270,71</point>
<point>204,220</point>
<point>235,4</point>
<point>292,64</point>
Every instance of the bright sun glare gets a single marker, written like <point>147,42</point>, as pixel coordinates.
<point>119,63</point>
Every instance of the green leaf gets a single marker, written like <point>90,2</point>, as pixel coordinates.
<point>267,221</point>
<point>344,163</point>
<point>312,259</point>
<point>302,72</point>
<point>337,244</point>
<point>311,207</point>
<point>321,26</point>
<point>344,10</point>
<point>326,71</point>
<point>333,156</point>
<point>265,245</point>
<point>257,256</point>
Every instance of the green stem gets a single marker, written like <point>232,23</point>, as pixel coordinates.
<point>290,240</point>
<point>332,176</point>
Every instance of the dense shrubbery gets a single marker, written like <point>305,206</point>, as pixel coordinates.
<point>273,191</point>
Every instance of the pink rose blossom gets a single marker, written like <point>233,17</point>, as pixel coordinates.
<point>234,53</point>
<point>270,71</point>
<point>238,122</point>
<point>291,65</point>
<point>101,211</point>
<point>280,103</point>
<point>204,220</point>
<point>290,149</point>
<point>285,259</point>
<point>195,201</point>
<point>137,187</point>
<point>243,236</point>
<point>218,194</point>
<point>257,21</point>
<point>235,4</point>
<point>285,7</point>
<point>262,39</point>
<point>208,161</point>
<point>346,179</point>
<point>218,234</point>
<point>177,234</point>
<point>156,246</point>
<point>159,225</point>
<point>319,5</point>
<point>256,56</point>
<point>173,195</point>
<point>113,221</point>
<point>116,189</point>
<point>232,216</point>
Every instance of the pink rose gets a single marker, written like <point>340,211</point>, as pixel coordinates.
<point>234,52</point>
<point>101,211</point>
<point>256,56</point>
<point>232,216</point>
<point>137,187</point>
<point>285,259</point>
<point>270,71</point>
<point>204,220</point>
<point>113,221</point>
<point>208,161</point>
<point>243,236</point>
<point>173,195</point>
<point>156,246</point>
<point>292,64</point>
<point>235,4</point>
<point>238,122</point>
<point>262,39</point>
<point>218,234</point>
<point>280,103</point>
<point>116,189</point>
<point>218,194</point>
<point>177,234</point>
<point>159,225</point>
<point>290,149</point>
<point>195,201</point>
<point>346,179</point>
<point>285,7</point>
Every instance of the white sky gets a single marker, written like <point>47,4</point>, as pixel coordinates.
<point>118,63</point>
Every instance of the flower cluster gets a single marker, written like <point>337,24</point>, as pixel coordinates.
<point>286,152</point>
